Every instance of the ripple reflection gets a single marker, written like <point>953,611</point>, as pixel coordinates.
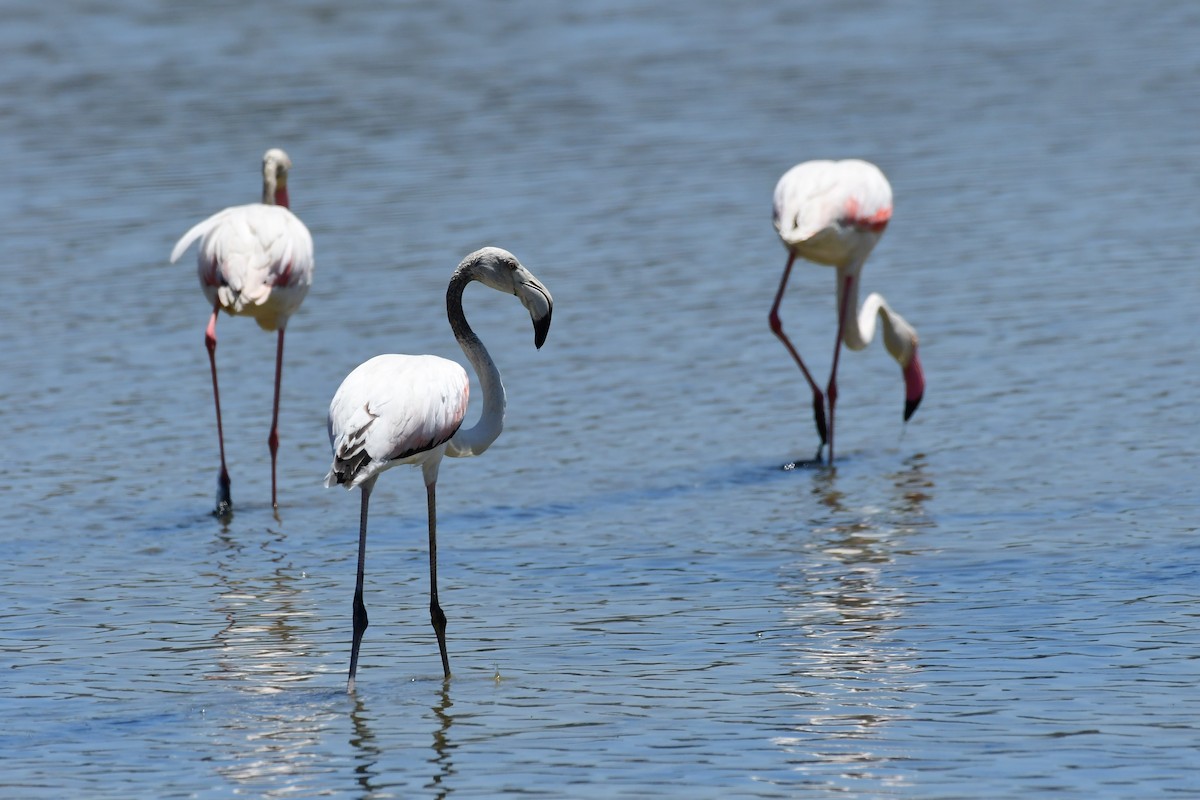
<point>850,674</point>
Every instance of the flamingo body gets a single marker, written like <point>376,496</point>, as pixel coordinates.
<point>253,260</point>
<point>394,409</point>
<point>833,213</point>
<point>400,409</point>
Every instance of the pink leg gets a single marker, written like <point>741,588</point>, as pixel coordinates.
<point>831,392</point>
<point>224,503</point>
<point>273,438</point>
<point>777,329</point>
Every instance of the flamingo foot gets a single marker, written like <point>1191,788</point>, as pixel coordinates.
<point>815,461</point>
<point>360,627</point>
<point>438,618</point>
<point>819,419</point>
<point>224,501</point>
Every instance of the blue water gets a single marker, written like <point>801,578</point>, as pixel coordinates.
<point>998,599</point>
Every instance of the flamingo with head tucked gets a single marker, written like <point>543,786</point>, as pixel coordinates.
<point>833,213</point>
<point>257,261</point>
<point>401,409</point>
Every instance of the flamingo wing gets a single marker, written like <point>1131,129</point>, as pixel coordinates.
<point>393,409</point>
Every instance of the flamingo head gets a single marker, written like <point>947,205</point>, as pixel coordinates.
<point>901,342</point>
<point>501,270</point>
<point>275,170</point>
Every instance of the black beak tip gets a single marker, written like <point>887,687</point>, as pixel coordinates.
<point>540,328</point>
<point>910,407</point>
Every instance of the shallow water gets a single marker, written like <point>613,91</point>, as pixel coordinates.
<point>997,600</point>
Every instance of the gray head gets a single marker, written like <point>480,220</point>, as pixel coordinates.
<point>501,270</point>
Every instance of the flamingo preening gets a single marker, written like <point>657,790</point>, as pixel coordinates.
<point>833,213</point>
<point>254,260</point>
<point>400,409</point>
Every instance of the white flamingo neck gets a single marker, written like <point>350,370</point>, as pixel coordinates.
<point>475,440</point>
<point>899,337</point>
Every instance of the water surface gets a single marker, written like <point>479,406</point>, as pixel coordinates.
<point>997,600</point>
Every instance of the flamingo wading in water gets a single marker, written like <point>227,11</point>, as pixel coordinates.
<point>254,260</point>
<point>833,213</point>
<point>400,409</point>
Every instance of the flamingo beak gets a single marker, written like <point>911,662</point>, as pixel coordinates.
<point>537,300</point>
<point>914,385</point>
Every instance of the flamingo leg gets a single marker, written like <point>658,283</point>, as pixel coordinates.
<point>777,329</point>
<point>436,615</point>
<point>360,610</point>
<point>273,438</point>
<point>224,503</point>
<point>831,391</point>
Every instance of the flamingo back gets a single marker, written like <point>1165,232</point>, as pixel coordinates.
<point>254,260</point>
<point>832,212</point>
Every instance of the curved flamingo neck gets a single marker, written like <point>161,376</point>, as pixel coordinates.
<point>899,337</point>
<point>274,192</point>
<point>475,440</point>
<point>859,325</point>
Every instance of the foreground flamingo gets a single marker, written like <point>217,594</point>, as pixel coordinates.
<point>257,261</point>
<point>398,409</point>
<point>833,213</point>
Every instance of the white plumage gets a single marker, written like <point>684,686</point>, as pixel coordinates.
<point>371,430</point>
<point>827,211</point>
<point>254,260</point>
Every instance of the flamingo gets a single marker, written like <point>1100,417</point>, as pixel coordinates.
<point>254,260</point>
<point>401,409</point>
<point>833,213</point>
